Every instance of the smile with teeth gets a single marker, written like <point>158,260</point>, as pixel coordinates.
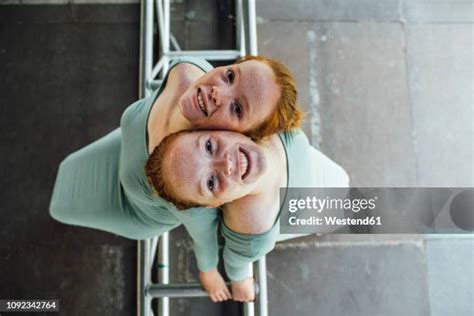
<point>201,103</point>
<point>243,164</point>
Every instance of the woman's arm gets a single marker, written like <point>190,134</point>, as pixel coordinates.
<point>250,230</point>
<point>240,251</point>
<point>238,255</point>
<point>202,228</point>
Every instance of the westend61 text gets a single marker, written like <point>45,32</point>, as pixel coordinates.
<point>334,221</point>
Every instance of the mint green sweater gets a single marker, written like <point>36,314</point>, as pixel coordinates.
<point>306,167</point>
<point>104,186</point>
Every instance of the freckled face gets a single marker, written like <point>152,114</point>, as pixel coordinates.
<point>213,167</point>
<point>237,97</point>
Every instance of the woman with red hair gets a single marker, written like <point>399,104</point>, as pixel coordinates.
<point>222,168</point>
<point>104,186</point>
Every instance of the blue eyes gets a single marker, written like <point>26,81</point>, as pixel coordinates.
<point>209,148</point>
<point>237,110</point>
<point>211,183</point>
<point>236,107</point>
<point>230,76</point>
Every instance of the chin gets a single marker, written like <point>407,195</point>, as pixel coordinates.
<point>187,110</point>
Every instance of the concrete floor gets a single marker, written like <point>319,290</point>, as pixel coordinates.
<point>59,92</point>
<point>388,89</point>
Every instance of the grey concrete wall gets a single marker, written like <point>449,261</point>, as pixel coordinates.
<point>388,89</point>
<point>387,84</point>
<point>348,277</point>
<point>60,68</point>
<point>451,287</point>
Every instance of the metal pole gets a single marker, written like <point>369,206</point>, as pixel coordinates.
<point>163,273</point>
<point>156,70</point>
<point>252,25</point>
<point>167,24</point>
<point>146,47</point>
<point>177,290</point>
<point>249,307</point>
<point>163,7</point>
<point>174,42</point>
<point>146,58</point>
<point>240,34</point>
<point>163,251</point>
<point>207,54</point>
<point>141,76</point>
<point>181,290</point>
<point>153,248</point>
<point>161,21</point>
<point>262,297</point>
<point>144,279</point>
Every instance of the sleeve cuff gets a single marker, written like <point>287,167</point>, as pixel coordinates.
<point>238,274</point>
<point>206,264</point>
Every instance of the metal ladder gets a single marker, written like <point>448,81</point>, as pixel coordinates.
<point>150,78</point>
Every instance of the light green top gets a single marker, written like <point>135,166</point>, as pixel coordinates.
<point>104,186</point>
<point>201,223</point>
<point>306,167</point>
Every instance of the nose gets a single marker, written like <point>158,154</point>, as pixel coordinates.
<point>225,164</point>
<point>219,95</point>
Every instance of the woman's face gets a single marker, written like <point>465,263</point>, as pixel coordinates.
<point>212,167</point>
<point>237,97</point>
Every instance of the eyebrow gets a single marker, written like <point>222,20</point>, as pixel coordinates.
<point>245,104</point>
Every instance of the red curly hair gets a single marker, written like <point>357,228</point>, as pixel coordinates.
<point>288,114</point>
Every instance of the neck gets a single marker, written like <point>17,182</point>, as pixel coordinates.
<point>176,121</point>
<point>180,79</point>
<point>276,160</point>
<point>256,212</point>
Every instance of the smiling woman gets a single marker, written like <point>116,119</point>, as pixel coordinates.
<point>238,97</point>
<point>256,96</point>
<point>104,185</point>
<point>222,168</point>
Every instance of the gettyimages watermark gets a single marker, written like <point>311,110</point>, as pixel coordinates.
<point>377,210</point>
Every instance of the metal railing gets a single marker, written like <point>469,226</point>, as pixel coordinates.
<point>151,77</point>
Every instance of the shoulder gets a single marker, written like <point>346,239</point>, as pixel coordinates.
<point>252,214</point>
<point>294,139</point>
<point>184,74</point>
<point>309,167</point>
<point>328,173</point>
<point>184,67</point>
<point>185,70</point>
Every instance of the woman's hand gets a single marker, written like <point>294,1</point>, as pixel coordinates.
<point>243,291</point>
<point>213,283</point>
